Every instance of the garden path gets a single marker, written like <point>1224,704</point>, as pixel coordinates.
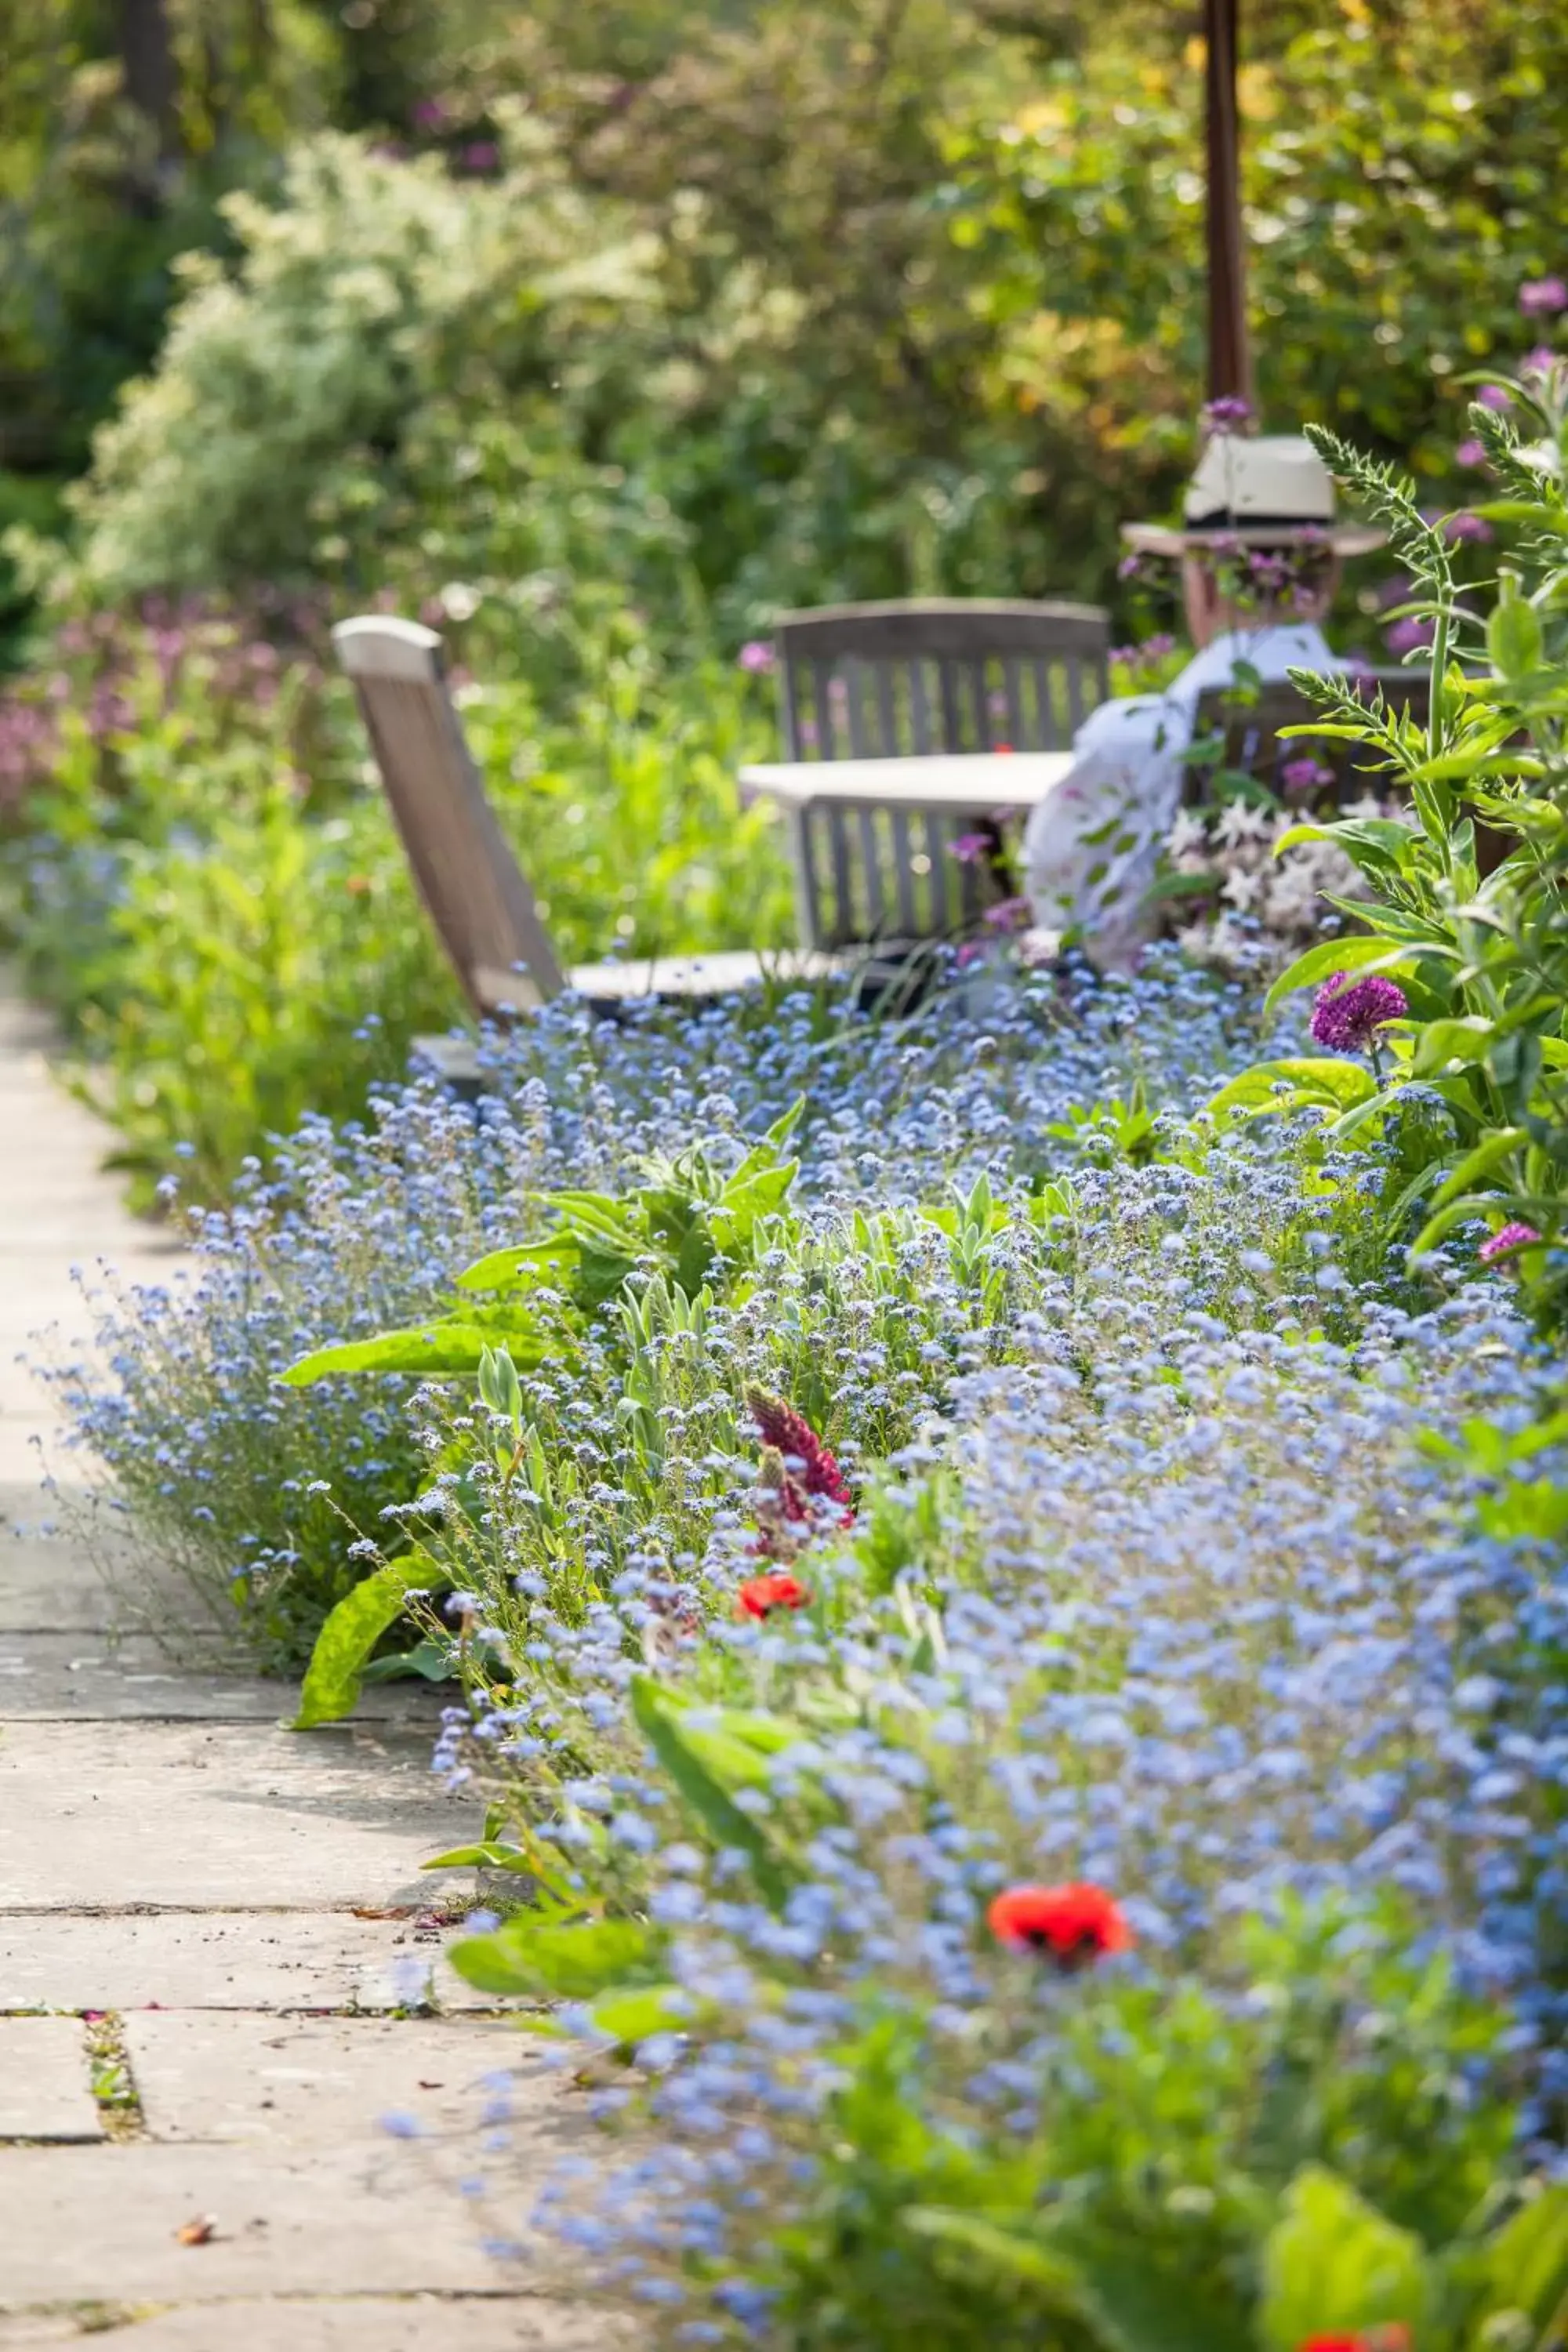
<point>219,1963</point>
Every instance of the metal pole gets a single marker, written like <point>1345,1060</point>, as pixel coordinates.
<point>1230,354</point>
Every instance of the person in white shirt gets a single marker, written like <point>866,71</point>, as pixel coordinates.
<point>1260,552</point>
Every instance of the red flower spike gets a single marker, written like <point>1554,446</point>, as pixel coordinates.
<point>1069,1925</point>
<point>760,1595</point>
<point>810,1467</point>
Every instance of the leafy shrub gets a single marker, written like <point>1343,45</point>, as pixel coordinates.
<point>211,891</point>
<point>1481,957</point>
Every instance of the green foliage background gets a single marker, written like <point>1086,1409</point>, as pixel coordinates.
<point>597,337</point>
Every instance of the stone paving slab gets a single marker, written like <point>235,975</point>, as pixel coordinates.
<point>100,2224</point>
<point>415,2323</point>
<point>186,1816</point>
<point>45,2081</point>
<point>324,2081</point>
<point>280,1960</point>
<point>106,1679</point>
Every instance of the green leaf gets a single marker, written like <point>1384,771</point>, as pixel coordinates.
<point>1332,2265</point>
<point>426,1350</point>
<point>997,2248</point>
<point>1338,1084</point>
<point>1330,956</point>
<point>1526,2261</point>
<point>631,2017</point>
<point>1514,640</point>
<point>481,1857</point>
<point>505,1267</point>
<point>544,1961</point>
<point>709,1799</point>
<point>333,1678</point>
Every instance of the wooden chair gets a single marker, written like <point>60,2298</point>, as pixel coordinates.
<point>478,895</point>
<point>1246,739</point>
<point>883,681</point>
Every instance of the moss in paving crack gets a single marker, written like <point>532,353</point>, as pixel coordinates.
<point>112,2082</point>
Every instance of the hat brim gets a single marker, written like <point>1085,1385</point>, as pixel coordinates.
<point>1334,537</point>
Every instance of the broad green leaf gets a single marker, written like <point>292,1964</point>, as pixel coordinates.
<point>547,1962</point>
<point>331,1682</point>
<point>1383,833</point>
<point>1332,2265</point>
<point>1329,1080</point>
<point>425,1349</point>
<point>631,2017</point>
<point>481,1857</point>
<point>705,1794</point>
<point>1438,1043</point>
<point>505,1267</point>
<point>1319,963</point>
<point>1514,640</point>
<point>1480,1162</point>
<point>998,2249</point>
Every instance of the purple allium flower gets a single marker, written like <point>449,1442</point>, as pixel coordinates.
<point>1471,452</point>
<point>1457,528</point>
<point>1346,1018</point>
<point>969,847</point>
<point>756,656</point>
<point>1494,395</point>
<point>1511,1237</point>
<point>1229,414</point>
<point>1305,775</point>
<point>1156,647</point>
<point>1541,297</point>
<point>1406,635</point>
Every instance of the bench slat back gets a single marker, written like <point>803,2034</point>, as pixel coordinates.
<point>478,895</point>
<point>873,681</point>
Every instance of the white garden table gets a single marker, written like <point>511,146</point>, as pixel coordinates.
<point>873,839</point>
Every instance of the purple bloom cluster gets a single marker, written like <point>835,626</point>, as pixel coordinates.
<point>1348,1013</point>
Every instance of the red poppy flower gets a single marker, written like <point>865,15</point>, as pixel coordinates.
<point>1071,1925</point>
<point>1392,2337</point>
<point>760,1595</point>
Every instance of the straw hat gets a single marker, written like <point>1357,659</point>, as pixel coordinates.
<point>1270,491</point>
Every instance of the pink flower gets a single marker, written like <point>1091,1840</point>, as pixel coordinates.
<point>482,156</point>
<point>969,847</point>
<point>1457,528</point>
<point>1229,414</point>
<point>1493,395</point>
<point>1406,635</point>
<point>810,1467</point>
<point>1009,914</point>
<point>428,114</point>
<point>1505,1240</point>
<point>1306,775</point>
<point>1540,361</point>
<point>1471,452</point>
<point>757,657</point>
<point>1541,297</point>
<point>1348,1013</point>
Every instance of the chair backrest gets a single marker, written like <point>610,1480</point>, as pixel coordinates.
<point>873,681</point>
<point>478,895</point>
<point>1252,744</point>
